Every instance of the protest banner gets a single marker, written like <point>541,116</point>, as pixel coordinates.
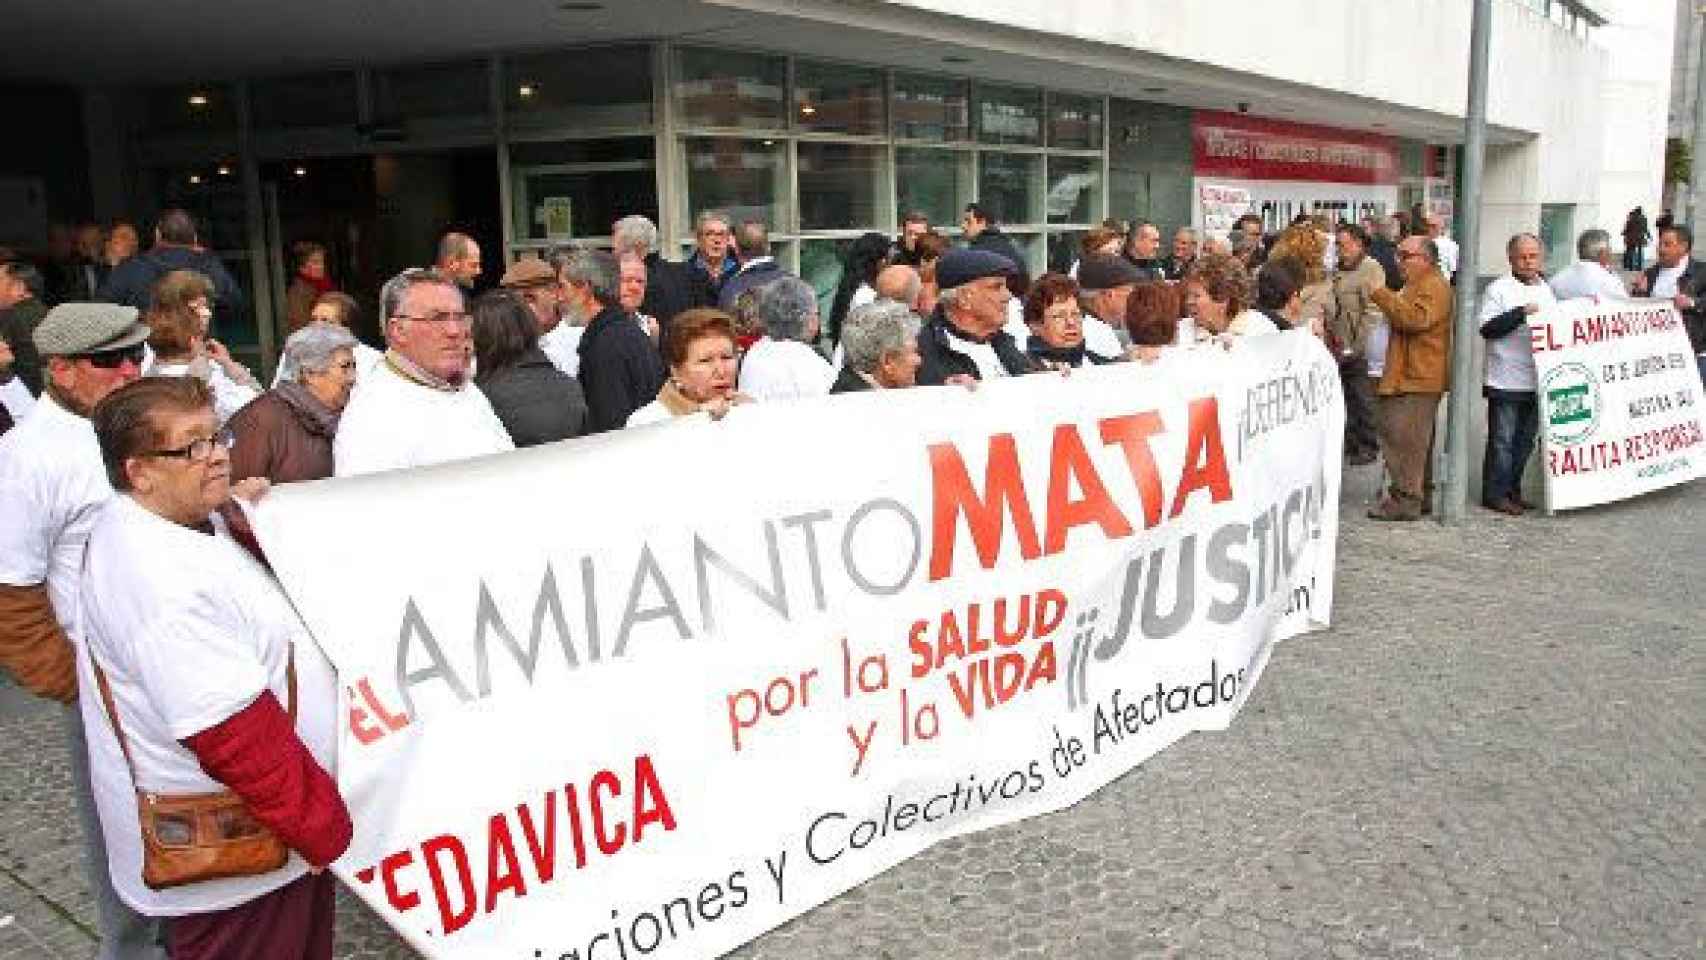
<point>653,693</point>
<point>1620,401</point>
<point>1221,207</point>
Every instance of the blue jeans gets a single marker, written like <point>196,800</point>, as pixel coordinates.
<point>1513,419</point>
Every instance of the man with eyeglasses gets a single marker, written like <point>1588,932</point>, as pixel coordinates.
<point>420,405</point>
<point>52,486</point>
<point>1416,372</point>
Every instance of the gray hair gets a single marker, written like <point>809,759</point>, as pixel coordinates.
<point>709,215</point>
<point>784,307</point>
<point>876,330</point>
<point>594,269</point>
<point>391,295</point>
<point>634,234</point>
<point>1593,244</point>
<point>310,349</point>
<point>1185,232</point>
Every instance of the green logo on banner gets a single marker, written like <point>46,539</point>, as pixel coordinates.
<point>1572,404</point>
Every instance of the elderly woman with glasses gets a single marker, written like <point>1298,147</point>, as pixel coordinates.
<point>1057,324</point>
<point>286,434</point>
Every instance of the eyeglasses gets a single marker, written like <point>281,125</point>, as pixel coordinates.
<point>443,316</point>
<point>1407,254</point>
<point>113,359</point>
<point>199,450</point>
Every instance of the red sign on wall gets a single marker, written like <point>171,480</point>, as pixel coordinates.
<point>1240,147</point>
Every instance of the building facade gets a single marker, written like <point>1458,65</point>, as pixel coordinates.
<point>535,123</point>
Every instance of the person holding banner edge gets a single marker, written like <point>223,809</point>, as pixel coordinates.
<point>1513,410</point>
<point>1677,277</point>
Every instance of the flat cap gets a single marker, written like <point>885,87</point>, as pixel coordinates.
<point>962,265</point>
<point>1103,271</point>
<point>528,272</point>
<point>74,328</point>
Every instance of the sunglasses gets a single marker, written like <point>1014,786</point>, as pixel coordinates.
<point>113,359</point>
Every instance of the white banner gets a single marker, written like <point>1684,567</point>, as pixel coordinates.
<point>1620,401</point>
<point>654,693</point>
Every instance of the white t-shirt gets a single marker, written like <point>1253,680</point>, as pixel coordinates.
<point>1447,255</point>
<point>1379,337</point>
<point>17,399</point>
<point>366,358</point>
<point>1586,278</point>
<point>392,422</point>
<point>189,630</point>
<point>784,370</point>
<point>865,294</point>
<point>229,396</point>
<point>1510,358</point>
<point>1101,338</point>
<point>1251,323</point>
<point>52,487</point>
<point>562,345</point>
<point>1664,283</point>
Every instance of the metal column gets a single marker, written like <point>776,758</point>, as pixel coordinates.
<point>1455,505</point>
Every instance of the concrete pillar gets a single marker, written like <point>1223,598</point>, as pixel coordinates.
<point>107,140</point>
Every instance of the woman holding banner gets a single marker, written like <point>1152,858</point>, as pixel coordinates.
<point>700,349</point>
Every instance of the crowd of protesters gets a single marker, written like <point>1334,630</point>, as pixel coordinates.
<point>157,622</point>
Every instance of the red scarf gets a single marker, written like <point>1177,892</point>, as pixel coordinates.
<point>321,284</point>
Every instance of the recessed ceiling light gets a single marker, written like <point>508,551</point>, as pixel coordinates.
<point>198,99</point>
<point>573,6</point>
<point>224,170</point>
<point>300,171</point>
<point>955,58</point>
<point>195,178</point>
<point>525,90</point>
<point>807,110</point>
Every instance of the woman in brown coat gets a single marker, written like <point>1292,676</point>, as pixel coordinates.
<point>285,434</point>
<point>308,283</point>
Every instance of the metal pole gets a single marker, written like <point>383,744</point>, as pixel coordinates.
<point>1697,175</point>
<point>1455,505</point>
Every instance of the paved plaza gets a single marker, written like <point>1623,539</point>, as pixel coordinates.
<point>1495,753</point>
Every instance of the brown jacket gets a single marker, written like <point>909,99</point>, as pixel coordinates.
<point>1418,358</point>
<point>299,305</point>
<point>286,439</point>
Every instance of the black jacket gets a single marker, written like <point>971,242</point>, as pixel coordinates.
<point>1691,284</point>
<point>666,291</point>
<point>941,361</point>
<point>536,402</point>
<point>132,282</point>
<point>848,381</point>
<point>702,288</point>
<point>755,277</point>
<point>620,369</point>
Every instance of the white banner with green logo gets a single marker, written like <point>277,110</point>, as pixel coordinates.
<point>1620,401</point>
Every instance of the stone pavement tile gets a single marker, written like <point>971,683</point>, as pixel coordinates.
<point>1496,752</point>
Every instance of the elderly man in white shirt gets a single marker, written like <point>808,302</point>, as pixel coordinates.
<point>1589,276</point>
<point>782,365</point>
<point>420,406</point>
<point>1513,412</point>
<point>52,487</point>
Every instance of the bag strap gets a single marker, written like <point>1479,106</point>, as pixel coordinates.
<point>118,729</point>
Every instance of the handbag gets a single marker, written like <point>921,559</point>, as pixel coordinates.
<point>193,837</point>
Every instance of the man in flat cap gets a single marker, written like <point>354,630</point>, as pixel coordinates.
<point>965,339</point>
<point>540,286</point>
<point>1105,282</point>
<point>52,485</point>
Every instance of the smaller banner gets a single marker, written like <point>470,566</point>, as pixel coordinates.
<point>1221,207</point>
<point>1620,401</point>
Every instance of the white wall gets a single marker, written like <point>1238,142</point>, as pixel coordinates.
<point>1634,107</point>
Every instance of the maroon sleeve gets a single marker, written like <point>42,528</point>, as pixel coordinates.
<point>257,754</point>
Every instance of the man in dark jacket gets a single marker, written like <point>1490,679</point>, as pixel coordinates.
<point>713,263</point>
<point>880,339</point>
<point>757,267</point>
<point>912,226</point>
<point>1679,278</point>
<point>666,282</point>
<point>983,233</point>
<point>620,369</point>
<point>21,311</point>
<point>964,339</point>
<point>176,247</point>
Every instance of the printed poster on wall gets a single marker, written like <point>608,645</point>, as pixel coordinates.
<point>1221,208</point>
<point>1620,401</point>
<point>653,693</point>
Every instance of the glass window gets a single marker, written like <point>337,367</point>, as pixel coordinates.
<point>1074,189</point>
<point>843,186</point>
<point>821,265</point>
<point>1009,115</point>
<point>320,100</point>
<point>432,90</point>
<point>1009,187</point>
<point>937,183</point>
<point>832,98</point>
<point>577,189</point>
<point>745,178</point>
<point>718,88</point>
<point>931,108</point>
<point>595,87</point>
<point>1074,122</point>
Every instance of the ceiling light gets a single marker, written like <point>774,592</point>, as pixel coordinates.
<point>300,171</point>
<point>525,90</point>
<point>224,170</point>
<point>955,58</point>
<point>198,99</point>
<point>807,110</point>
<point>195,178</point>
